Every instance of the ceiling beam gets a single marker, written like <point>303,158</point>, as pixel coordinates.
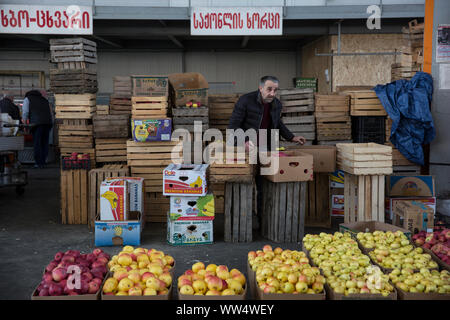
<point>115,45</point>
<point>172,37</point>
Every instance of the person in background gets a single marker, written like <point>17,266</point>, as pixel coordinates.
<point>36,111</point>
<point>7,106</point>
<point>261,110</point>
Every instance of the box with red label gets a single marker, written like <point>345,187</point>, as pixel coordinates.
<point>114,200</point>
<point>136,186</point>
<point>287,166</point>
<point>337,205</point>
<point>185,180</point>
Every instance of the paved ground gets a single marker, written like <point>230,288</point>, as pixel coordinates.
<point>31,233</point>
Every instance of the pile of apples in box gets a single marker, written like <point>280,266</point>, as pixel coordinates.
<point>438,242</point>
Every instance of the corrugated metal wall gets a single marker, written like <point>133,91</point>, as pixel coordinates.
<point>244,68</point>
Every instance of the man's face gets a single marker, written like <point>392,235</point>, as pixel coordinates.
<point>269,91</point>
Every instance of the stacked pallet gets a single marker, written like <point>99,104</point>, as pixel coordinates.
<point>119,104</point>
<point>102,110</point>
<point>333,122</point>
<point>221,107</point>
<point>149,107</point>
<point>148,160</point>
<point>365,103</point>
<point>187,117</point>
<point>298,112</point>
<point>76,60</point>
<point>401,165</point>
<point>122,85</point>
<point>74,113</point>
<point>410,60</point>
<point>365,166</point>
<point>111,150</point>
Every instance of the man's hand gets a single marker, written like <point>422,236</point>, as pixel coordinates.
<point>299,139</point>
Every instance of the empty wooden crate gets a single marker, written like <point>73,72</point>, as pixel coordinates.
<point>365,103</point>
<point>74,196</point>
<point>238,212</point>
<point>109,150</point>
<point>364,158</point>
<point>75,106</point>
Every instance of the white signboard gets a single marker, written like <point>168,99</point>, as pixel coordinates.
<point>244,21</point>
<point>71,19</point>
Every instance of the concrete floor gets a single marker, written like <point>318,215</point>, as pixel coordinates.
<point>31,233</point>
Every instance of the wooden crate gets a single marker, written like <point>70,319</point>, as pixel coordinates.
<point>75,134</point>
<point>330,105</point>
<point>284,211</point>
<point>364,158</point>
<point>148,85</point>
<point>102,109</point>
<point>332,142</point>
<point>218,190</point>
<point>186,117</point>
<point>120,104</point>
<point>318,204</point>
<point>110,150</point>
<point>400,71</point>
<point>238,212</point>
<point>111,126</point>
<point>365,103</point>
<point>221,107</point>
<point>364,198</point>
<point>74,196</point>
<point>96,177</point>
<point>148,159</point>
<point>399,159</point>
<point>76,81</point>
<point>297,101</point>
<point>75,106</point>
<point>156,207</point>
<point>73,50</point>
<point>122,85</point>
<point>388,127</point>
<point>149,107</point>
<point>301,125</point>
<point>224,172</point>
<point>334,128</point>
<point>414,170</point>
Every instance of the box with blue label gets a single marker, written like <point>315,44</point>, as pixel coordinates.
<point>151,130</point>
<point>411,186</point>
<point>189,232</point>
<point>119,233</point>
<point>192,208</point>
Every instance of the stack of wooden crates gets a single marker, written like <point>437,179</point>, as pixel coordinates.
<point>410,60</point>
<point>74,82</point>
<point>298,113</point>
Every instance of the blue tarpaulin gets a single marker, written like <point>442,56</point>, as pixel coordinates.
<point>408,105</point>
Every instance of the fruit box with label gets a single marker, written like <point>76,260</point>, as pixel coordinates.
<point>337,205</point>
<point>114,200</point>
<point>324,157</point>
<point>189,232</point>
<point>337,179</point>
<point>192,208</point>
<point>119,233</point>
<point>185,180</point>
<point>151,130</point>
<point>410,186</point>
<point>288,166</point>
<point>136,186</point>
<point>390,202</point>
<point>413,215</point>
<point>370,226</point>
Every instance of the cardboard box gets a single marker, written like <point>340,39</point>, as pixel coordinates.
<point>413,215</point>
<point>192,208</point>
<point>149,86</point>
<point>411,186</point>
<point>189,232</point>
<point>188,87</point>
<point>324,157</point>
<point>429,202</point>
<point>337,205</point>
<point>370,226</point>
<point>185,180</point>
<point>114,200</point>
<point>203,298</point>
<point>295,166</point>
<point>151,129</point>
<point>337,179</point>
<point>136,185</point>
<point>402,295</point>
<point>119,233</point>
<point>358,296</point>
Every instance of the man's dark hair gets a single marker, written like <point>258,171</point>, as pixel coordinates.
<point>263,80</point>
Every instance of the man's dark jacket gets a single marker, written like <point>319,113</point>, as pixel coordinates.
<point>248,113</point>
<point>39,108</point>
<point>7,106</point>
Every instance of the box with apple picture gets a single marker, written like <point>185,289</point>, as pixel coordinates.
<point>192,208</point>
<point>151,129</point>
<point>185,180</point>
<point>189,232</point>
